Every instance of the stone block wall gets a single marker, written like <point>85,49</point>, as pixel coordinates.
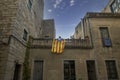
<point>37,11</point>
<point>107,7</point>
<point>78,34</point>
<point>4,49</point>
<point>49,26</point>
<point>8,12</point>
<point>54,63</point>
<point>15,16</point>
<point>106,53</point>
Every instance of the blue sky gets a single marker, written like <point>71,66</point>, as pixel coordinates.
<point>68,13</point>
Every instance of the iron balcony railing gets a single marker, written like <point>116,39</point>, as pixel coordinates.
<point>69,43</point>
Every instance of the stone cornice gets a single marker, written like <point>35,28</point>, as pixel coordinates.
<point>102,15</point>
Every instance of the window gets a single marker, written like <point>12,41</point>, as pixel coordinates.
<point>115,6</point>
<point>25,35</point>
<point>105,37</point>
<point>111,70</point>
<point>69,70</point>
<point>91,70</point>
<point>29,4</point>
<point>119,4</point>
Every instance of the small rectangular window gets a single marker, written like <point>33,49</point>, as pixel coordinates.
<point>111,70</point>
<point>25,35</point>
<point>29,4</point>
<point>105,37</point>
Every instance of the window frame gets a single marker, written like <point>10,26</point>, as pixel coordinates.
<point>108,67</point>
<point>29,4</point>
<point>103,39</point>
<point>25,35</point>
<point>71,69</point>
<point>113,8</point>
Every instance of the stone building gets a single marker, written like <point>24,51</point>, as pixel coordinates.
<point>93,57</point>
<point>113,7</point>
<point>79,32</point>
<point>48,29</point>
<point>19,19</point>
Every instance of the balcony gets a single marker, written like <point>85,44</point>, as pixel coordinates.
<point>69,43</point>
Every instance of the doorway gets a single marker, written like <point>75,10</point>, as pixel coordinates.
<point>17,71</point>
<point>38,70</point>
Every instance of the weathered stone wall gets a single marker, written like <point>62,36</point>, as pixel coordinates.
<point>53,68</point>
<point>107,8</point>
<point>15,54</point>
<point>14,18</point>
<point>28,19</point>
<point>38,8</point>
<point>48,28</point>
<point>53,63</point>
<point>4,49</point>
<point>8,12</point>
<point>106,53</point>
<point>79,31</point>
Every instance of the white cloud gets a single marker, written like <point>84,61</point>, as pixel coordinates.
<point>49,10</point>
<point>56,4</point>
<point>72,2</point>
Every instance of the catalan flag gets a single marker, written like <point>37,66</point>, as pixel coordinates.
<point>58,46</point>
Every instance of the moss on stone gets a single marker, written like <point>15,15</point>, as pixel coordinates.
<point>26,68</point>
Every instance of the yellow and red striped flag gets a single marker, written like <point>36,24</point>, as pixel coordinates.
<point>58,46</point>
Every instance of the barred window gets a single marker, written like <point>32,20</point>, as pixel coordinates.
<point>69,70</point>
<point>111,70</point>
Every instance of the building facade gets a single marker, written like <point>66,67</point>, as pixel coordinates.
<point>93,54</point>
<point>112,7</point>
<point>94,58</point>
<point>79,31</point>
<point>49,26</point>
<point>19,19</point>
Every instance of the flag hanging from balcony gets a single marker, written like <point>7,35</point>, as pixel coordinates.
<point>58,45</point>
